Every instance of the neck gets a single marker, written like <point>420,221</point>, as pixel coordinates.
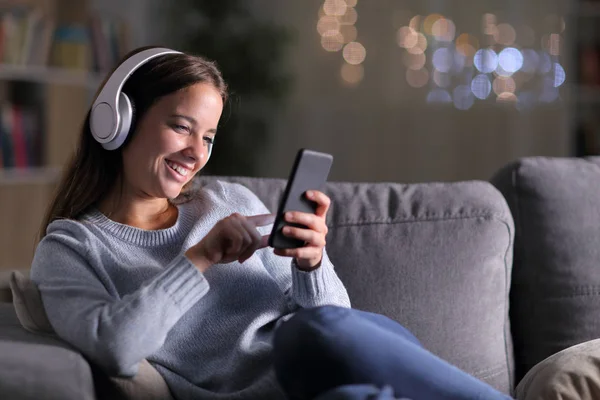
<point>143,213</point>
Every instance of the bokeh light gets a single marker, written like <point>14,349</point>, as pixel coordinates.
<point>485,60</point>
<point>504,84</point>
<point>334,7</point>
<point>354,53</point>
<point>407,37</point>
<point>544,63</point>
<point>460,62</point>
<point>552,44</point>
<point>510,59</point>
<point>505,35</point>
<point>481,86</point>
<point>488,24</point>
<point>429,21</point>
<point>443,30</point>
<point>559,75</point>
<point>327,23</point>
<point>442,59</point>
<point>349,18</point>
<point>506,97</point>
<point>531,60</point>
<point>349,33</point>
<point>414,61</point>
<point>439,96</point>
<point>418,78</point>
<point>415,22</point>
<point>332,41</point>
<point>421,45</point>
<point>463,97</point>
<point>352,74</point>
<point>441,79</point>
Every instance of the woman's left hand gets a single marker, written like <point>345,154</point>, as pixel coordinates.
<point>310,256</point>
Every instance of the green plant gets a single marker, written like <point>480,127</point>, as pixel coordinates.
<point>250,53</point>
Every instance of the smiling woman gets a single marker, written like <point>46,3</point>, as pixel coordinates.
<point>132,268</point>
<point>177,113</point>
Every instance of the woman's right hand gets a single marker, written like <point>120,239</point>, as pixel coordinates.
<point>232,238</point>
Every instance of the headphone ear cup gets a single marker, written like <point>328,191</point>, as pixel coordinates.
<point>126,113</point>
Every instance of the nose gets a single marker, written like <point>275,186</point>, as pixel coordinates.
<point>197,148</point>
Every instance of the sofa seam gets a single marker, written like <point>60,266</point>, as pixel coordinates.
<point>486,215</point>
<point>518,229</point>
<point>506,324</point>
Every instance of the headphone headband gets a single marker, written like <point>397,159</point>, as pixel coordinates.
<point>110,117</point>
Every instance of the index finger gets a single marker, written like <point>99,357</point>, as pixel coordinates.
<point>261,220</point>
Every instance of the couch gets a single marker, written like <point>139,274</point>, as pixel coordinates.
<point>437,257</point>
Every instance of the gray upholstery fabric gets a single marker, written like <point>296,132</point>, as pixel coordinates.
<point>435,257</point>
<point>36,367</point>
<point>555,296</point>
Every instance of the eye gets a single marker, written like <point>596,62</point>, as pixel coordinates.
<point>209,140</point>
<point>181,128</point>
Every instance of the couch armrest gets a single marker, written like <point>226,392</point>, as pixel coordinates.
<point>43,371</point>
<point>39,367</point>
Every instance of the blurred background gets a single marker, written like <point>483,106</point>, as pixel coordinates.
<point>396,90</point>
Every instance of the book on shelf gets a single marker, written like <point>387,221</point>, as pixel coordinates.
<point>30,37</point>
<point>20,137</point>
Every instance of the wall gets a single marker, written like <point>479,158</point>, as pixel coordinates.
<point>383,130</point>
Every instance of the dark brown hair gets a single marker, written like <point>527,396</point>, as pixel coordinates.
<point>93,172</point>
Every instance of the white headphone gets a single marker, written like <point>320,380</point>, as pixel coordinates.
<point>112,112</point>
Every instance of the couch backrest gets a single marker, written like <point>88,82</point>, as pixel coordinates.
<point>555,296</point>
<point>436,257</point>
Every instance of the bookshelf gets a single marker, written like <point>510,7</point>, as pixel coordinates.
<point>53,56</point>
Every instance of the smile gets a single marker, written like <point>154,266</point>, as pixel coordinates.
<point>178,168</point>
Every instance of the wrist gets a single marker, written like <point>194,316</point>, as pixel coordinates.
<point>197,258</point>
<point>306,266</point>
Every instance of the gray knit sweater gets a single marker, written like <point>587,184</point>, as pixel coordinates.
<point>121,294</point>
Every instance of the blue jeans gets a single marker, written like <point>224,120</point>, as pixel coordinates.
<point>335,353</point>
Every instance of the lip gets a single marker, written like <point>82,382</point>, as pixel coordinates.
<point>188,167</point>
<point>175,174</point>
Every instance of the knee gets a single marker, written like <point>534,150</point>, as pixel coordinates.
<point>307,332</point>
<point>308,323</point>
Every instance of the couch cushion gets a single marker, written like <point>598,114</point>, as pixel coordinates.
<point>38,367</point>
<point>435,257</point>
<point>555,296</point>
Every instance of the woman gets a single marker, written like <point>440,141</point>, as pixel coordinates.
<point>132,265</point>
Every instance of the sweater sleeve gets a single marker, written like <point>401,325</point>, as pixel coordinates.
<point>116,333</point>
<point>320,286</point>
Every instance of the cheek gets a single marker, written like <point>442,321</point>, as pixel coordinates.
<point>169,142</point>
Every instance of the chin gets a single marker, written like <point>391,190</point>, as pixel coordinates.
<point>170,191</point>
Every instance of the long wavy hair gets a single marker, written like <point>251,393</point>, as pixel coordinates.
<point>93,172</point>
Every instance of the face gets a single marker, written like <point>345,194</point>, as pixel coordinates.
<point>171,142</point>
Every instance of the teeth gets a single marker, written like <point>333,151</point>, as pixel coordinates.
<point>182,171</point>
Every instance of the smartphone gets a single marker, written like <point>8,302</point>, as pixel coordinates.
<point>309,172</point>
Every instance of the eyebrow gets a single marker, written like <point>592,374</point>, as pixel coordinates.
<point>192,121</point>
